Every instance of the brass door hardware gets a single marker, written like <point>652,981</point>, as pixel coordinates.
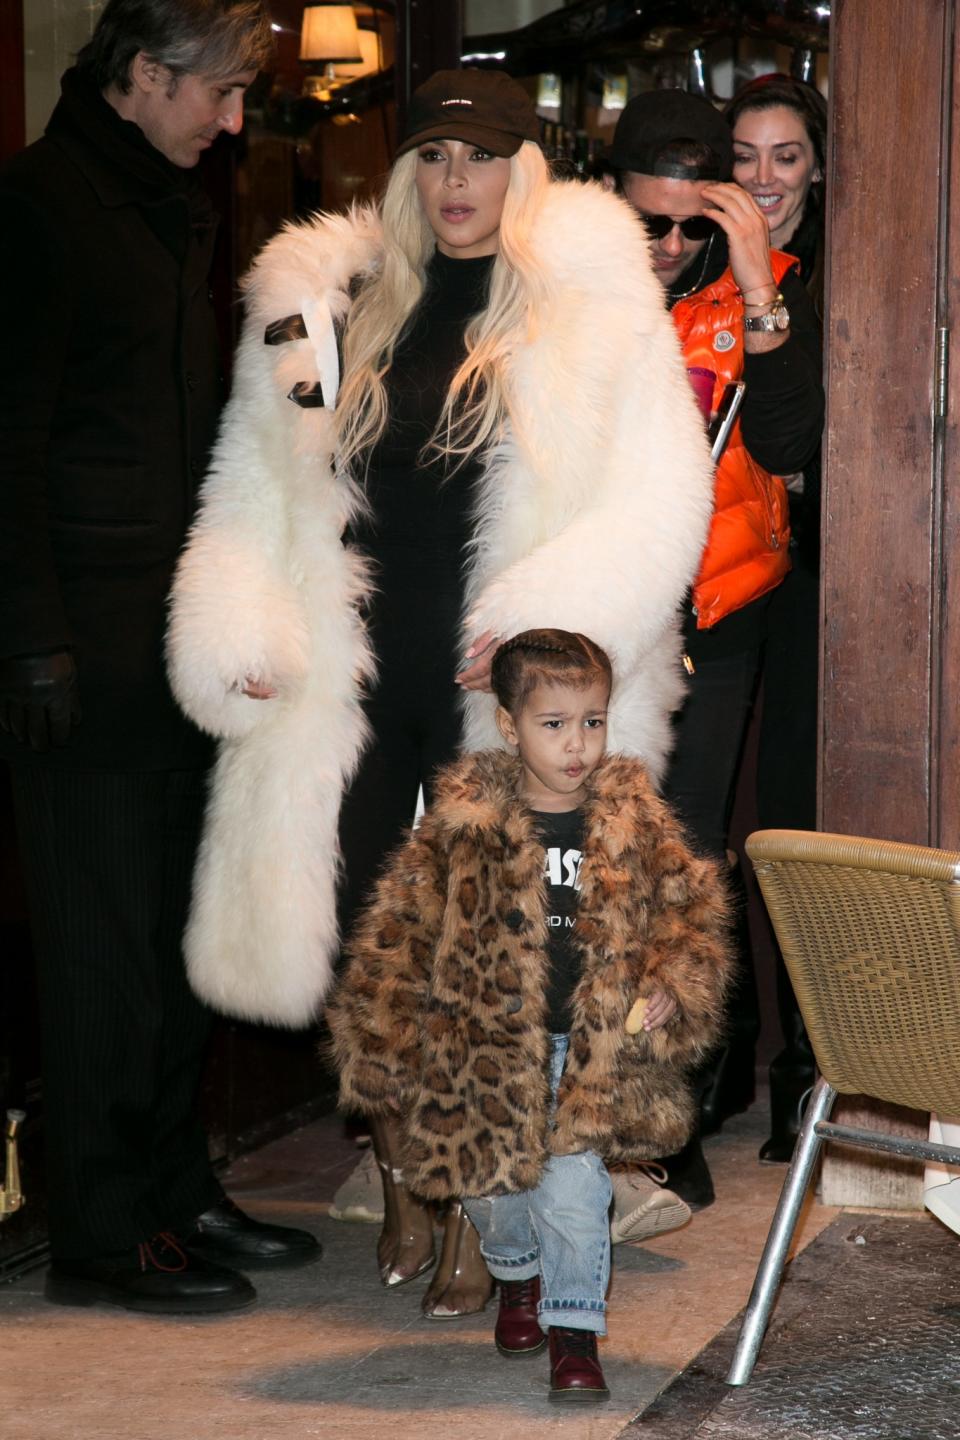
<point>11,1196</point>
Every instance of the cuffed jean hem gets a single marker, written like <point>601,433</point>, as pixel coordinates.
<point>573,1315</point>
<point>501,1267</point>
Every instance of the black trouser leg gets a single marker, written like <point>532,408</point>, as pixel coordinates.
<point>107,859</point>
<point>415,719</point>
<point>379,806</point>
<point>787,798</point>
<point>700,785</point>
<point>709,735</point>
<point>727,1080</point>
<point>183,1183</point>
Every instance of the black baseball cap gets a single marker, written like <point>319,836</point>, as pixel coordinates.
<point>659,118</point>
<point>483,107</point>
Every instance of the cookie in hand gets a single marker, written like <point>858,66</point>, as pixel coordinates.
<point>634,1023</point>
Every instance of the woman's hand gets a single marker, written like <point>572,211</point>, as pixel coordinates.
<point>661,1007</point>
<point>257,689</point>
<point>481,652</point>
<point>748,237</point>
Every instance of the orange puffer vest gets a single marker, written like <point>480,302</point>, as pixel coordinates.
<point>747,548</point>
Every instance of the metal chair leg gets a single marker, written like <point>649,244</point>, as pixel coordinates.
<point>784,1222</point>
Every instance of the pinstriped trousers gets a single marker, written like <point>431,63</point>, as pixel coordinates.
<point>108,859</point>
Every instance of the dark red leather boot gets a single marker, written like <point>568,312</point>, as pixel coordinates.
<point>518,1330</point>
<point>575,1372</point>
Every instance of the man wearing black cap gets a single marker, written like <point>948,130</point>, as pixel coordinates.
<point>741,313</point>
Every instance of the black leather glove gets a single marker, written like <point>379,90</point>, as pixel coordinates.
<point>39,698</point>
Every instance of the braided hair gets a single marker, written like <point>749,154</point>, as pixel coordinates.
<point>546,657</point>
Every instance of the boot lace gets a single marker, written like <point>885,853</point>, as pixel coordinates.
<point>581,1343</point>
<point>169,1249</point>
<point>519,1292</point>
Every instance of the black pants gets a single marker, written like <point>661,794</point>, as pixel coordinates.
<point>778,635</point>
<point>415,716</point>
<point>108,861</point>
<point>787,787</point>
<point>710,729</point>
<point>787,757</point>
<point>709,736</point>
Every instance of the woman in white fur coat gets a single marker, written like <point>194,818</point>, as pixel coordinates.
<point>564,455</point>
<point>514,444</point>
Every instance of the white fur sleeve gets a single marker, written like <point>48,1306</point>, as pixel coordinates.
<point>619,491</point>
<point>235,612</point>
<point>271,513</point>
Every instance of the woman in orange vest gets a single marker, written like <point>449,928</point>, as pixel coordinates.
<point>742,313</point>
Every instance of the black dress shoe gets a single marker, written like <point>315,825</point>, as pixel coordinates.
<point>226,1236</point>
<point>778,1149</point>
<point>158,1276</point>
<point>688,1175</point>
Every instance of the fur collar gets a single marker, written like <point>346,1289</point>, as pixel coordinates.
<point>480,794</point>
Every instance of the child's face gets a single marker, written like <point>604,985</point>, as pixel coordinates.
<point>561,733</point>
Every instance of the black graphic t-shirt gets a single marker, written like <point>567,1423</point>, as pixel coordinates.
<point>562,837</point>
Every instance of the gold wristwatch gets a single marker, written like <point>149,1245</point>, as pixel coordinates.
<point>776,318</point>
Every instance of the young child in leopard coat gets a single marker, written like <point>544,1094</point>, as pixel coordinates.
<point>490,996</point>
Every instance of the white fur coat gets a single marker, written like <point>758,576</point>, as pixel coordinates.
<point>592,515</point>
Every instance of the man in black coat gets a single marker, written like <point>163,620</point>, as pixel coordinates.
<point>110,391</point>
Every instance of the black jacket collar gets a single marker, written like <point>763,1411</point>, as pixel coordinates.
<point>114,154</point>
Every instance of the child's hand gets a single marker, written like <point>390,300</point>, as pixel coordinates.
<point>661,1007</point>
<point>649,1013</point>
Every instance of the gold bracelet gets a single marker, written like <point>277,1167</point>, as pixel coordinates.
<point>754,288</point>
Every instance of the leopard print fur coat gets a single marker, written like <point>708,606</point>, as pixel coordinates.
<point>441,1007</point>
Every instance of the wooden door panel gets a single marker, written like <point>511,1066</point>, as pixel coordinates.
<point>881,520</point>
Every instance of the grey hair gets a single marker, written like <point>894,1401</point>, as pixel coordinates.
<point>188,37</point>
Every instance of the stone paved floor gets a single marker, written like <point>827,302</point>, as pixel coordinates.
<point>865,1345</point>
<point>327,1352</point>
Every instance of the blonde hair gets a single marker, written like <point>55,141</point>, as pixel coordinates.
<point>476,403</point>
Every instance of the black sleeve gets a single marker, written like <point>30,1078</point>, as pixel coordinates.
<point>36,330</point>
<point>783,406</point>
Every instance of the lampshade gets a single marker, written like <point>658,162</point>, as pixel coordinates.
<point>371,49</point>
<point>329,33</point>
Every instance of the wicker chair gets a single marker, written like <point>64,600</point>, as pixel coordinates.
<point>870,932</point>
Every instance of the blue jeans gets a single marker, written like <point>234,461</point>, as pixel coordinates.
<point>559,1231</point>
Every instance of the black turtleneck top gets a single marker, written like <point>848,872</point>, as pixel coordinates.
<point>420,504</point>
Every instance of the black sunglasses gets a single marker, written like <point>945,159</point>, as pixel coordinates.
<point>695,227</point>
